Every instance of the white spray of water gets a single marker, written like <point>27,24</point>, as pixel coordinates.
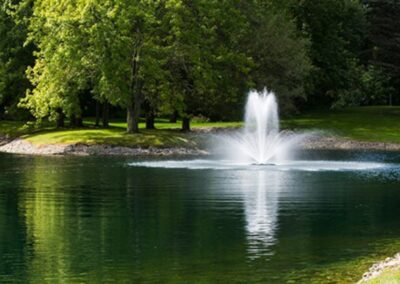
<point>260,142</point>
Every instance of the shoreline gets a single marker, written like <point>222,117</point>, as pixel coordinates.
<point>23,147</point>
<point>321,142</point>
<point>310,142</point>
<point>376,270</point>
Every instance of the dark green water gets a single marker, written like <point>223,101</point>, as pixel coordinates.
<point>92,220</point>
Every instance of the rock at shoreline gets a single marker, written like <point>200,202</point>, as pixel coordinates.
<point>308,142</point>
<point>20,146</point>
<point>320,142</point>
<point>111,150</point>
<point>378,268</point>
<point>4,140</point>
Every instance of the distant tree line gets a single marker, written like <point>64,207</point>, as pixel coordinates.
<point>65,59</point>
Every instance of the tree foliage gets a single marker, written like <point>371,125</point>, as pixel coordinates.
<point>383,40</point>
<point>336,29</point>
<point>15,56</point>
<point>194,57</point>
<point>279,53</point>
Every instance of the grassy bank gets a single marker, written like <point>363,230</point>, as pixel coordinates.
<point>165,135</point>
<point>375,124</point>
<point>387,277</point>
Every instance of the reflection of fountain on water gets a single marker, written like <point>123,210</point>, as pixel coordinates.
<point>260,142</point>
<point>284,166</point>
<point>261,212</point>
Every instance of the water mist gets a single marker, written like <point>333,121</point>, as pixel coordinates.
<point>260,141</point>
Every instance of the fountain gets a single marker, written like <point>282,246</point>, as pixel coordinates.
<point>260,142</point>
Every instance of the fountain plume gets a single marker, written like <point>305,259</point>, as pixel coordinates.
<point>260,141</point>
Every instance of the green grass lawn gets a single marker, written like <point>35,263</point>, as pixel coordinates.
<point>166,134</point>
<point>378,124</point>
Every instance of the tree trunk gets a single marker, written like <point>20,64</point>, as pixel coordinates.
<point>79,121</point>
<point>134,106</point>
<point>129,118</point>
<point>106,118</point>
<point>76,121</point>
<point>72,121</point>
<point>150,121</point>
<point>98,106</point>
<point>133,116</point>
<point>60,118</point>
<point>136,112</point>
<point>174,117</point>
<point>185,124</point>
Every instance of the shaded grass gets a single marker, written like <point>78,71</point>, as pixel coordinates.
<point>375,124</point>
<point>17,128</point>
<point>164,124</point>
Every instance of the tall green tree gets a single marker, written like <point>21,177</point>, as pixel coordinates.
<point>15,57</point>
<point>123,53</point>
<point>279,52</point>
<point>111,47</point>
<point>58,75</point>
<point>191,57</point>
<point>336,29</point>
<point>137,51</point>
<point>383,41</point>
<point>205,60</point>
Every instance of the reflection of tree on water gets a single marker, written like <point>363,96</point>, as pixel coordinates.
<point>261,211</point>
<point>71,226</point>
<point>12,255</point>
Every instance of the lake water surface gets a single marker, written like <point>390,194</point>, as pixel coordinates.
<point>124,220</point>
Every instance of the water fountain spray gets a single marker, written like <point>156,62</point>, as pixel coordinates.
<point>260,142</point>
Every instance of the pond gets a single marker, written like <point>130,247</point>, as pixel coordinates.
<point>123,220</point>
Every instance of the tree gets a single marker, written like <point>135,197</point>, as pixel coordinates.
<point>191,57</point>
<point>205,62</point>
<point>279,52</point>
<point>58,75</point>
<point>124,54</point>
<point>15,57</point>
<point>383,45</point>
<point>336,29</point>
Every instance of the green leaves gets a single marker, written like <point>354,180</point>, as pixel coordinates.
<point>336,30</point>
<point>58,74</point>
<point>14,57</point>
<point>193,57</point>
<point>279,54</point>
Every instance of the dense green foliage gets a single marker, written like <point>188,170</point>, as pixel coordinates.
<point>15,57</point>
<point>336,28</point>
<point>383,45</point>
<point>193,58</point>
